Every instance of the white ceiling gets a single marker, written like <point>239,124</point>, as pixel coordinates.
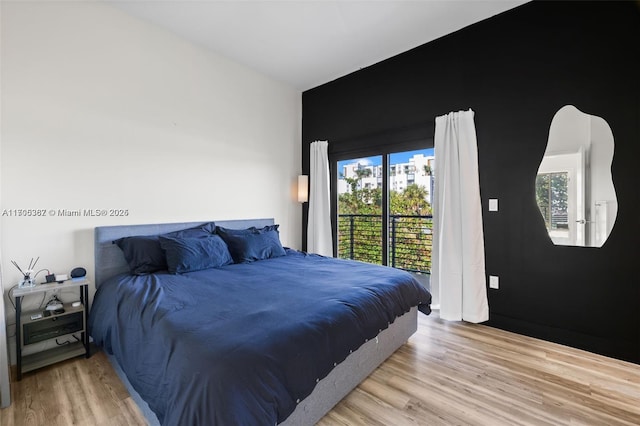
<point>306,43</point>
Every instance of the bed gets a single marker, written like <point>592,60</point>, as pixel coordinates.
<point>274,340</point>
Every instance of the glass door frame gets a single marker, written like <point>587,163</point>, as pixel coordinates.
<point>384,206</point>
<point>384,152</point>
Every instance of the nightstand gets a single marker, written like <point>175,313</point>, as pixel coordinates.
<point>32,328</point>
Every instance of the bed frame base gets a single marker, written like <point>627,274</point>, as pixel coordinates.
<point>347,375</point>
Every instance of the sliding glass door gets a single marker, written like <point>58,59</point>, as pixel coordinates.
<point>360,209</point>
<point>384,209</point>
<point>410,223</point>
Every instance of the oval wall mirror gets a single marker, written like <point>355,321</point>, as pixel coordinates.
<point>574,188</point>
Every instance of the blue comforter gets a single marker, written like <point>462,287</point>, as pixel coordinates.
<point>243,344</point>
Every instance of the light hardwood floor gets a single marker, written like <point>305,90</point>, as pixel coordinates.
<point>447,374</point>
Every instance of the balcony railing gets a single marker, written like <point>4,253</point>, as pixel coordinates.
<point>410,240</point>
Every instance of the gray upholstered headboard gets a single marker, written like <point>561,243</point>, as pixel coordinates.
<point>109,260</point>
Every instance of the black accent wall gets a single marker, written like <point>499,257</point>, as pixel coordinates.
<point>515,70</point>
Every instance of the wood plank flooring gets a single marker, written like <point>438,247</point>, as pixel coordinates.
<point>447,374</point>
<point>466,374</point>
<point>78,391</point>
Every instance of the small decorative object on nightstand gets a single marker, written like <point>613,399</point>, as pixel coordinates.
<point>28,280</point>
<point>38,326</point>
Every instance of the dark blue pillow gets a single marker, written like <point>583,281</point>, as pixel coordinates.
<point>245,231</point>
<point>249,245</point>
<point>144,254</point>
<point>195,254</point>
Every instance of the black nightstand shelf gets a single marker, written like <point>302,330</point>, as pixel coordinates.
<point>31,330</point>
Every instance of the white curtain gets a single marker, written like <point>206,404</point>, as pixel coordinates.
<point>319,238</point>
<point>458,242</point>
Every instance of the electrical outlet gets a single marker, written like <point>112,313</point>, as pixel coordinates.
<point>494,282</point>
<point>493,204</point>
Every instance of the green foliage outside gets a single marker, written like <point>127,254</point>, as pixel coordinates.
<point>552,198</point>
<point>360,225</point>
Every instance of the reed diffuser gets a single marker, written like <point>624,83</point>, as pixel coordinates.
<point>28,280</point>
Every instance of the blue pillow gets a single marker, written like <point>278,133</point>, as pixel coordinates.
<point>249,245</point>
<point>195,254</point>
<point>144,254</point>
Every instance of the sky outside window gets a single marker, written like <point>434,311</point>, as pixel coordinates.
<point>395,158</point>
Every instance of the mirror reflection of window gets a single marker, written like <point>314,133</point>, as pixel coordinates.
<point>552,198</point>
<point>574,188</point>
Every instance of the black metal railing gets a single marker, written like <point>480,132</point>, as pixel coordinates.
<point>410,240</point>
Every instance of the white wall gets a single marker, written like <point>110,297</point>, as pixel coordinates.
<point>104,111</point>
<point>602,189</point>
<point>5,390</point>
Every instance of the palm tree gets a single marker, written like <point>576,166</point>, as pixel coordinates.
<point>362,173</point>
<point>412,201</point>
<point>355,182</point>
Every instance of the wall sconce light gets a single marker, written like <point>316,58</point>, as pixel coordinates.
<point>303,188</point>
